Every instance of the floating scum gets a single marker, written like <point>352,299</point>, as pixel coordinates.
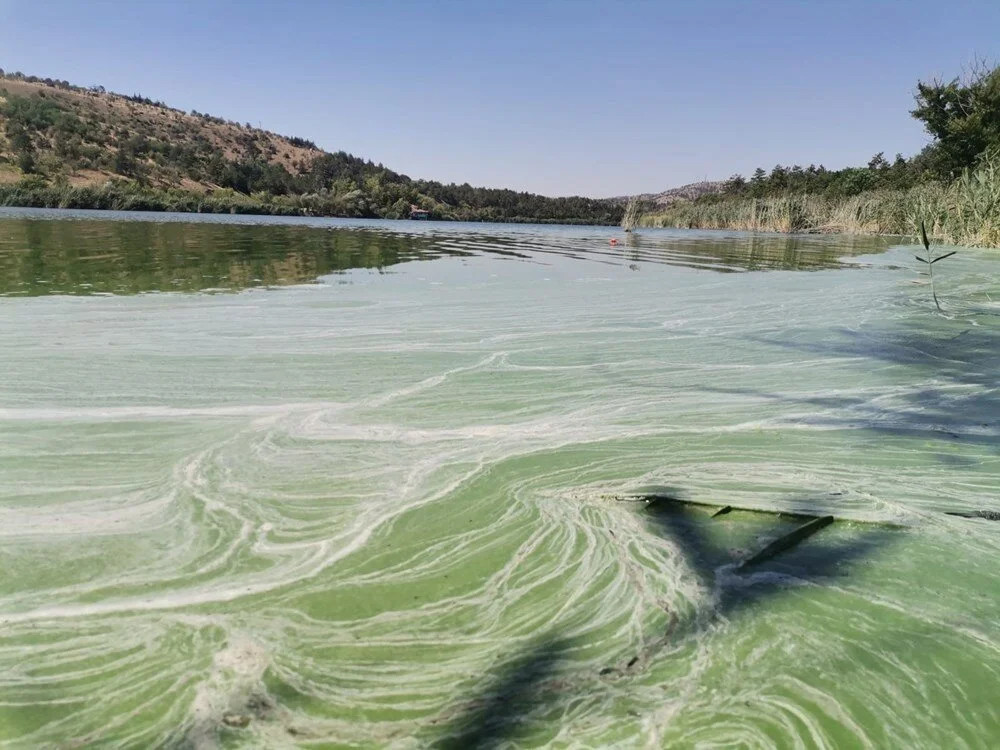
<point>746,556</point>
<point>356,499</point>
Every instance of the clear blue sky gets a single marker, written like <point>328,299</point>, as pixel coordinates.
<point>592,98</point>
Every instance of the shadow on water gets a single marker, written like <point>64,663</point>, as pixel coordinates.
<point>494,715</point>
<point>714,544</point>
<point>712,548</point>
<point>954,396</point>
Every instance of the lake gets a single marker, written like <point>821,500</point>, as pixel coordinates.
<point>280,482</point>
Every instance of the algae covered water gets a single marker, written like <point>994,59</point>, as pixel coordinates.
<point>386,484</point>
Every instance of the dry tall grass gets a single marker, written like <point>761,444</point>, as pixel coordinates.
<point>967,212</point>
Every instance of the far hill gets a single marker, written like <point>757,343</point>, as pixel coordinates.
<point>689,192</point>
<point>73,147</point>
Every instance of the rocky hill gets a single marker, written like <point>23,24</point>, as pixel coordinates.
<point>668,197</point>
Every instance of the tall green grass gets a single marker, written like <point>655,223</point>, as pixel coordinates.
<point>974,206</point>
<point>967,212</point>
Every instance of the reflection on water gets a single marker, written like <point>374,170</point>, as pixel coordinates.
<point>396,510</point>
<point>126,257</point>
<point>128,253</point>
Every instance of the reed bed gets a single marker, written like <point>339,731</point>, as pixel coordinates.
<point>967,212</point>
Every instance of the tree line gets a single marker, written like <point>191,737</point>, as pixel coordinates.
<point>963,117</point>
<point>50,137</point>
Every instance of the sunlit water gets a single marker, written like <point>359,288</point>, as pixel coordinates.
<point>366,484</point>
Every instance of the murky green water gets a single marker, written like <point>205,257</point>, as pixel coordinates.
<point>379,496</point>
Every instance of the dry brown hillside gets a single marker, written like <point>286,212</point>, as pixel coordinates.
<point>68,147</point>
<point>99,124</point>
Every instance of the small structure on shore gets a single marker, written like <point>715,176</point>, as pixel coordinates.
<point>416,212</point>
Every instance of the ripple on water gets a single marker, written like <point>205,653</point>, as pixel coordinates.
<point>383,512</point>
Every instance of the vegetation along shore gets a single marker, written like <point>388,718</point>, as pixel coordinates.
<point>70,147</point>
<point>953,184</point>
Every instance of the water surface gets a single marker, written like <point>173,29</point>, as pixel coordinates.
<point>94,252</point>
<point>368,484</point>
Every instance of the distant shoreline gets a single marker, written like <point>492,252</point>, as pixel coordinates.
<point>74,147</point>
<point>127,196</point>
